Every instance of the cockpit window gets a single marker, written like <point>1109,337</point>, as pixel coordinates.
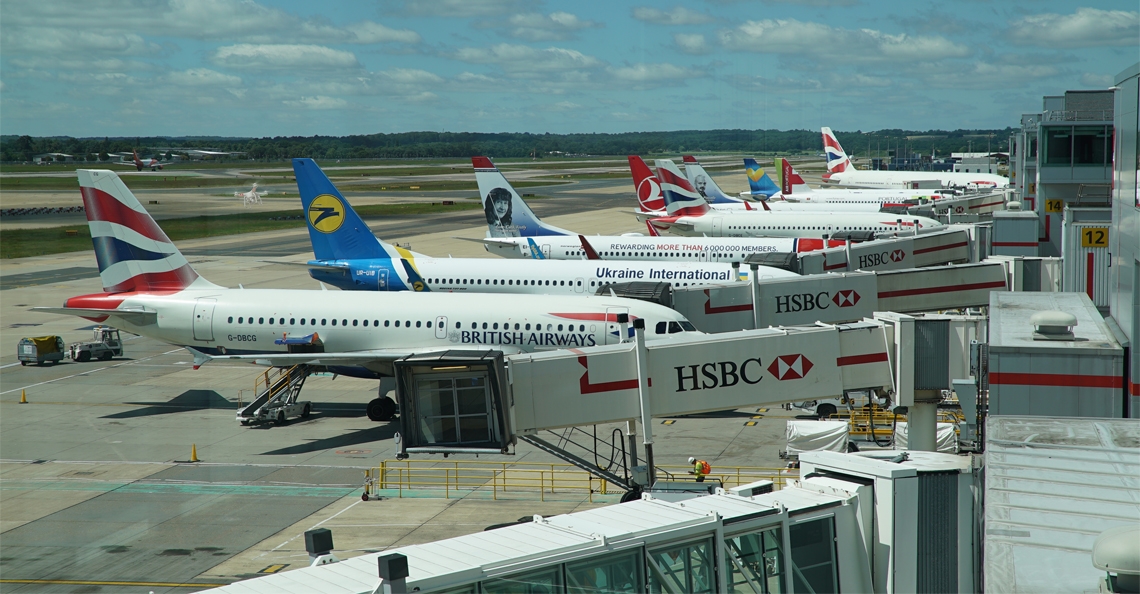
<point>660,328</point>
<point>674,327</point>
<point>688,326</point>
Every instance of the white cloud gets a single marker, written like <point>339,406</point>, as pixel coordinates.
<point>283,56</point>
<point>463,8</point>
<point>1087,27</point>
<point>202,77</point>
<point>550,27</point>
<point>654,73</point>
<point>318,102</point>
<point>988,75</point>
<point>780,84</point>
<point>691,43</point>
<point>370,32</point>
<point>800,38</point>
<point>522,59</point>
<point>38,41</point>
<point>678,16</point>
<point>1100,81</point>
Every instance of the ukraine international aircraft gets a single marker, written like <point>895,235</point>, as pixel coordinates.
<point>151,290</point>
<point>689,214</point>
<point>841,172</point>
<point>349,256</point>
<point>541,241</point>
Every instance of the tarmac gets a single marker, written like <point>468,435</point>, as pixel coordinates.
<point>98,492</point>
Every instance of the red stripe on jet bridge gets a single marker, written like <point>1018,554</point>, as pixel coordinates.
<point>987,204</point>
<point>1057,380</point>
<point>941,247</point>
<point>861,359</point>
<point>1133,389</point>
<point>585,387</point>
<point>1014,244</point>
<point>1089,276</point>
<point>101,206</point>
<point>943,289</point>
<point>834,266</point>
<point>709,309</point>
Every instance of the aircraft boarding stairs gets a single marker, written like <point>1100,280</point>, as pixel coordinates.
<point>277,392</point>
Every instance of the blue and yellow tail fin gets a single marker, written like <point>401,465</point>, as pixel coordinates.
<point>336,231</point>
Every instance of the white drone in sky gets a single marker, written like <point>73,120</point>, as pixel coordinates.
<point>249,198</point>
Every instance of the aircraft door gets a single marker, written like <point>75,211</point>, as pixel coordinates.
<point>441,326</point>
<point>546,250</point>
<point>612,327</point>
<point>717,226</point>
<point>703,256</point>
<point>579,285</point>
<point>204,319</point>
<point>382,279</point>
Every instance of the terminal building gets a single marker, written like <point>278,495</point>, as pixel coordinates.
<point>1039,354</point>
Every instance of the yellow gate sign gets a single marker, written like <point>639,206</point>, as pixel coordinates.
<point>1094,237</point>
<point>1054,205</point>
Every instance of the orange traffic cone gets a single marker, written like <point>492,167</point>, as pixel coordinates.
<point>23,397</point>
<point>194,453</point>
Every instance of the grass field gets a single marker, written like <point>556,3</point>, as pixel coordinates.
<point>149,182</point>
<point>21,243</point>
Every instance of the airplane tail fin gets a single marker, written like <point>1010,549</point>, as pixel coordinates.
<point>704,184</point>
<point>507,214</point>
<point>681,199</point>
<point>335,230</point>
<point>648,187</point>
<point>837,160</point>
<point>133,252</point>
<point>758,182</point>
<point>791,181</point>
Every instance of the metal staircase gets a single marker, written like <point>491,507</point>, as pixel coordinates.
<point>277,389</point>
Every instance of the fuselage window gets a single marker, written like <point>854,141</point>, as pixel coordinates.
<point>485,325</point>
<point>241,319</point>
<point>334,322</point>
<point>457,325</point>
<point>324,321</point>
<point>407,323</point>
<point>474,325</point>
<point>560,327</point>
<point>355,322</point>
<point>516,326</point>
<point>230,320</point>
<point>418,323</point>
<point>364,323</point>
<point>313,322</point>
<point>292,321</point>
<point>527,327</point>
<point>429,324</point>
<point>495,326</point>
<point>260,320</point>
<point>302,321</point>
<point>344,322</point>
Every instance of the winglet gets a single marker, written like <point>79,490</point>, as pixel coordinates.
<point>763,203</point>
<point>589,249</point>
<point>200,358</point>
<point>747,206</point>
<point>652,230</point>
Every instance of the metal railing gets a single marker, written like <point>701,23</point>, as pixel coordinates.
<point>271,376</point>
<point>512,480</point>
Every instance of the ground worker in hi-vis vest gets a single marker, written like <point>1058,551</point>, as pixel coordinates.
<point>700,469</point>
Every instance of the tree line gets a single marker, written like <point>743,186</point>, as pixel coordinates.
<point>421,145</point>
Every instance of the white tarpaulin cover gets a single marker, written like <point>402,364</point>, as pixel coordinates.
<point>946,441</point>
<point>813,436</point>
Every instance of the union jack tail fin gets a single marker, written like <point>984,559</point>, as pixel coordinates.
<point>648,187</point>
<point>680,197</point>
<point>507,214</point>
<point>837,161</point>
<point>133,252</point>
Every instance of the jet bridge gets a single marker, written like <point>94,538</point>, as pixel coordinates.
<point>463,402</point>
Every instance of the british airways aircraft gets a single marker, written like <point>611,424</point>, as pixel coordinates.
<point>540,241</point>
<point>151,290</point>
<point>840,171</point>
<point>689,214</point>
<point>350,257</point>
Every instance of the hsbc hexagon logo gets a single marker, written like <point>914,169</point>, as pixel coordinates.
<point>897,256</point>
<point>846,298</point>
<point>789,367</point>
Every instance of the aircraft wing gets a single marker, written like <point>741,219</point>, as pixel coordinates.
<point>329,267</point>
<point>375,359</point>
<point>672,225</point>
<point>140,317</point>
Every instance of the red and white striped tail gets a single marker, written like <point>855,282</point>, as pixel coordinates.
<point>680,197</point>
<point>133,252</point>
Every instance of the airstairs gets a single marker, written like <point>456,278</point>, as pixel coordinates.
<point>277,392</point>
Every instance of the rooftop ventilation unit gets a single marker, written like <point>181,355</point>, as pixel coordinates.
<point>1053,325</point>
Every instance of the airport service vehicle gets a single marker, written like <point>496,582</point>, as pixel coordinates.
<point>690,215</point>
<point>40,350</point>
<point>150,289</point>
<point>841,172</point>
<point>107,343</point>
<point>350,257</point>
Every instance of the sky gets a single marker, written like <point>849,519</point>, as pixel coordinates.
<point>254,68</point>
